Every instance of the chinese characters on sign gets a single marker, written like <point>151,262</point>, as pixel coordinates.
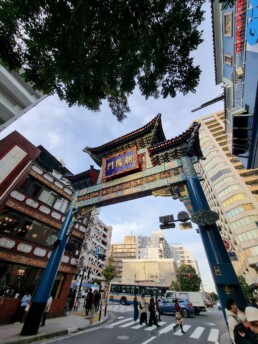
<point>122,162</point>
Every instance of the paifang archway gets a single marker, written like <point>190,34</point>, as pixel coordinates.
<point>136,165</point>
<point>139,164</point>
<point>144,162</point>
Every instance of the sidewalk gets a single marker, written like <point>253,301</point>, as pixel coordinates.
<point>73,322</point>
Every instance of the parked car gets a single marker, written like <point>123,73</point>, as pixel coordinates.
<point>167,306</point>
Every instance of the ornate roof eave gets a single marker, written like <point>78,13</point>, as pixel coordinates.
<point>82,175</point>
<point>154,127</point>
<point>186,144</point>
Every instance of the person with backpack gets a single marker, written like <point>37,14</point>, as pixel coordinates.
<point>232,319</point>
<point>152,310</point>
<point>178,315</point>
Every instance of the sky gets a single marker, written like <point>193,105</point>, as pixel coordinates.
<point>65,132</point>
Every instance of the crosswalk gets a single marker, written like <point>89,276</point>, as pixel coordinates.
<point>119,308</point>
<point>194,332</point>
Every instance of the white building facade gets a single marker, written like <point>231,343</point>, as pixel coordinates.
<point>16,97</point>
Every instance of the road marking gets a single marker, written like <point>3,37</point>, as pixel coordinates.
<point>128,324</point>
<point>149,340</point>
<point>138,326</point>
<point>118,323</point>
<point>197,333</point>
<point>167,328</point>
<point>214,334</point>
<point>178,332</point>
<point>151,328</point>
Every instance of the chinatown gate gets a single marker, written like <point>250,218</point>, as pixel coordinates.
<point>136,165</point>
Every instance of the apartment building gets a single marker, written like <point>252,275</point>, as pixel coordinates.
<point>182,256</point>
<point>232,192</point>
<point>16,97</point>
<point>154,247</point>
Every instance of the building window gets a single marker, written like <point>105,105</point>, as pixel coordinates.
<point>42,193</point>
<point>229,189</point>
<point>247,236</point>
<point>233,199</point>
<point>240,209</point>
<point>247,220</point>
<point>228,24</point>
<point>228,59</point>
<point>16,279</point>
<point>13,224</point>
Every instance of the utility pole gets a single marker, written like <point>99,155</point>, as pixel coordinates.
<point>33,319</point>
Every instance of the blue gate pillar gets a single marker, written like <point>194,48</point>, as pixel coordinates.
<point>223,273</point>
<point>39,301</point>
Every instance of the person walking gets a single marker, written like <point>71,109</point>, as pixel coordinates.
<point>47,308</point>
<point>178,315</point>
<point>88,304</point>
<point>152,310</point>
<point>25,301</point>
<point>158,310</point>
<point>143,310</point>
<point>231,316</point>
<point>135,309</point>
<point>96,299</point>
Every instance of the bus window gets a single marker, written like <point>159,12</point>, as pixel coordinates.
<point>113,288</point>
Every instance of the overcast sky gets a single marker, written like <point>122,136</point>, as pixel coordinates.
<point>65,131</point>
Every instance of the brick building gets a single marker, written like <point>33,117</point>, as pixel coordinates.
<point>34,198</point>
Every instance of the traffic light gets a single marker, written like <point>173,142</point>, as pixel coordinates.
<point>167,225</point>
<point>167,222</point>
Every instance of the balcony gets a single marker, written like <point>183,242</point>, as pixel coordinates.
<point>237,130</point>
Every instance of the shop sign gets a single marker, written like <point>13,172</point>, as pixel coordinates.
<point>227,244</point>
<point>121,162</point>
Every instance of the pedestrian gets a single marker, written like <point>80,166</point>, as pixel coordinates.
<point>96,300</point>
<point>88,304</point>
<point>71,297</point>
<point>231,315</point>
<point>242,331</point>
<point>25,302</point>
<point>47,308</point>
<point>152,310</point>
<point>143,310</point>
<point>158,309</point>
<point>252,317</point>
<point>178,315</point>
<point>76,303</point>
<point>135,309</point>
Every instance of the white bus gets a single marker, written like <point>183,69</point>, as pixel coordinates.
<point>124,293</point>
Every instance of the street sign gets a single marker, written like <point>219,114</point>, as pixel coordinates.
<point>185,225</point>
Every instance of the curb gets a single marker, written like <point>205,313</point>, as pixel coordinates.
<point>40,337</point>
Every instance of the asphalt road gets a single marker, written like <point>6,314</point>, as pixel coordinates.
<point>206,328</point>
